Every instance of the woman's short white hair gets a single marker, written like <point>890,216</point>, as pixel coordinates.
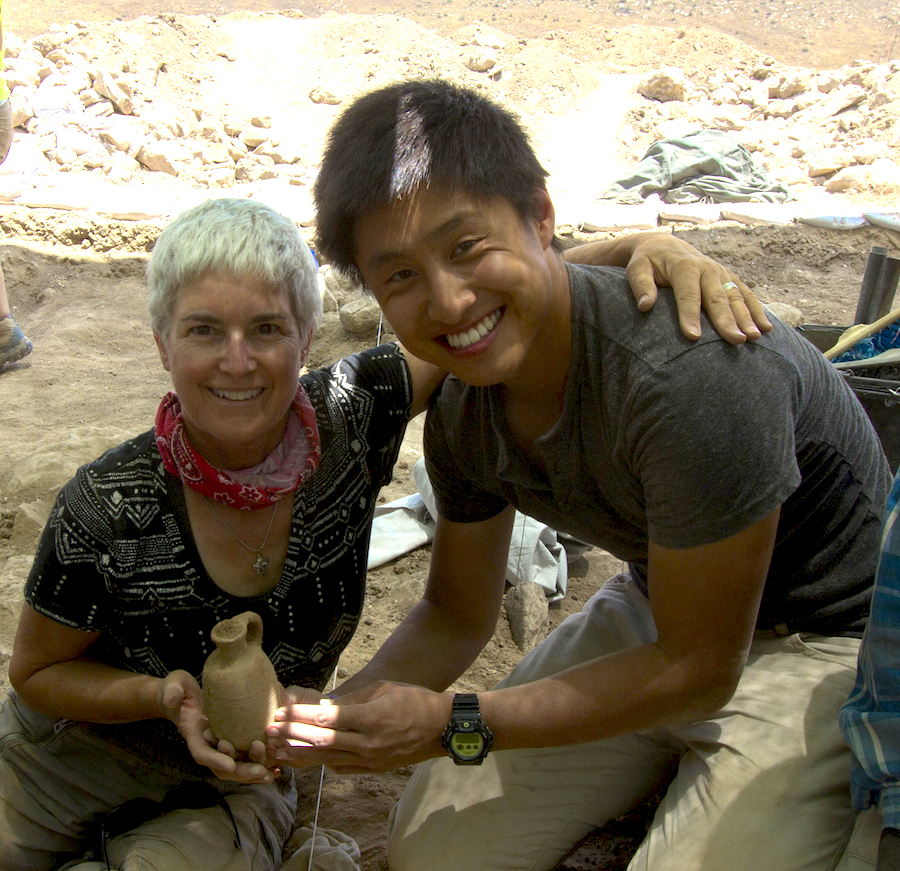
<point>239,237</point>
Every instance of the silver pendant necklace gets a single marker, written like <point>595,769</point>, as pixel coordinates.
<point>261,563</point>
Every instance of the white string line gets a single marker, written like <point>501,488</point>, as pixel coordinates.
<point>333,684</point>
<point>312,848</point>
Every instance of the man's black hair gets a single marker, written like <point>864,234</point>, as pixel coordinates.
<point>419,133</point>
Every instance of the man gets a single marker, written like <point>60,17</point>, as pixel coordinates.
<point>742,485</point>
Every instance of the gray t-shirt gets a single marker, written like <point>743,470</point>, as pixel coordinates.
<point>685,443</point>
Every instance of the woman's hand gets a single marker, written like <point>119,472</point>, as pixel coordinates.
<point>380,728</point>
<point>654,260</point>
<point>182,700</point>
<point>695,279</point>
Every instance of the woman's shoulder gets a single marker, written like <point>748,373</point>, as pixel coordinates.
<point>127,466</point>
<point>372,363</point>
<point>135,449</point>
<point>376,372</point>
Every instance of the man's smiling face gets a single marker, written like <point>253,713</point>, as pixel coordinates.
<point>465,283</point>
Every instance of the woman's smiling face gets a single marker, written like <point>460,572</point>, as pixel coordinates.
<point>234,351</point>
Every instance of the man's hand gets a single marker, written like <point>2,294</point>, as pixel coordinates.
<point>653,260</point>
<point>380,728</point>
<point>182,700</point>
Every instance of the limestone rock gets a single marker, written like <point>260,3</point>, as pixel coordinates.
<point>21,109</point>
<point>22,74</point>
<point>249,170</point>
<point>253,137</point>
<point>828,161</point>
<point>233,127</point>
<point>221,176</point>
<point>836,102</point>
<point>339,288</point>
<point>664,85</point>
<point>324,96</point>
<point>123,133</point>
<point>122,167</point>
<point>360,315</point>
<point>880,177</point>
<point>527,613</point>
<point>214,152</point>
<point>791,315</point>
<point>481,61</point>
<point>164,156</point>
<point>236,149</point>
<point>115,91</point>
<point>792,83</point>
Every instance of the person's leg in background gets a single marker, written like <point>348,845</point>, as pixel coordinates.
<point>14,344</point>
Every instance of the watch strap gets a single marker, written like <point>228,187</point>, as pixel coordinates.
<point>466,704</point>
<point>466,719</point>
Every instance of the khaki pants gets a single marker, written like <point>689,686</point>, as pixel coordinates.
<point>57,779</point>
<point>761,786</point>
<point>863,842</point>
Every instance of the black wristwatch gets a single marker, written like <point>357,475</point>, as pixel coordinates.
<point>467,738</point>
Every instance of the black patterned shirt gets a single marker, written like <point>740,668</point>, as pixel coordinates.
<point>117,554</point>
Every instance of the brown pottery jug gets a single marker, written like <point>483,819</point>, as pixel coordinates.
<point>240,689</point>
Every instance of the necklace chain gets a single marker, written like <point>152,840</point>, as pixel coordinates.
<point>261,563</point>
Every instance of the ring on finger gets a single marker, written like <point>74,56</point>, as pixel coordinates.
<point>729,285</point>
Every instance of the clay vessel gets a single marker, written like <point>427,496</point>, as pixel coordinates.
<point>240,689</point>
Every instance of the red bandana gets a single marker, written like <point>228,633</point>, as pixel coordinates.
<point>291,464</point>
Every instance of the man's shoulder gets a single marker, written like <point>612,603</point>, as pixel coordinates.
<point>602,299</point>
<point>606,322</point>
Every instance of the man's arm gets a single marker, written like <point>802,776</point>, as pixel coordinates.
<point>426,378</point>
<point>705,618</point>
<point>659,259</point>
<point>444,632</point>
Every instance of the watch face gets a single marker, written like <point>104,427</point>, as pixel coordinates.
<point>467,745</point>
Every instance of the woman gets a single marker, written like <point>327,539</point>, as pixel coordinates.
<point>253,491</point>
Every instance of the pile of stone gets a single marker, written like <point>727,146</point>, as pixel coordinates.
<point>88,117</point>
<point>838,129</point>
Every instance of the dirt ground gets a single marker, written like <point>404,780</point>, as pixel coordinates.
<point>76,285</point>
